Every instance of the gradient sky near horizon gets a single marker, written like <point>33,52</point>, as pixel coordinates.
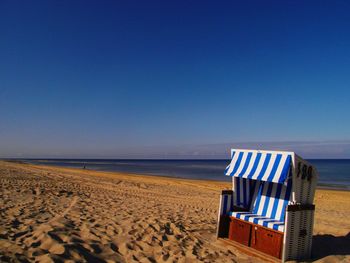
<point>86,78</point>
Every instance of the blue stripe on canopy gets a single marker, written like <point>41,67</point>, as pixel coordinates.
<point>256,165</point>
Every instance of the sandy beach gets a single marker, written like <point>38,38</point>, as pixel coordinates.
<point>51,214</point>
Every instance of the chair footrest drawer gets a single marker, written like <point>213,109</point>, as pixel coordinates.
<point>267,241</point>
<point>240,231</point>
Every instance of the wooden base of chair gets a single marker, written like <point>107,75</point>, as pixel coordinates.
<point>240,231</point>
<point>249,251</point>
<point>255,236</point>
<point>267,241</point>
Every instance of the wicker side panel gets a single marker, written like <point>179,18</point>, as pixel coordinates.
<point>305,179</point>
<point>298,235</point>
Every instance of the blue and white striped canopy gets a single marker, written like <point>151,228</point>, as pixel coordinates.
<point>259,165</point>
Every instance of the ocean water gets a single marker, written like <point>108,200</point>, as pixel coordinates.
<point>334,173</point>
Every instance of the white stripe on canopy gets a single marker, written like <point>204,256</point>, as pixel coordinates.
<point>262,166</point>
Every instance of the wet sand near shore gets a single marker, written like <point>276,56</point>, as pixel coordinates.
<point>52,214</point>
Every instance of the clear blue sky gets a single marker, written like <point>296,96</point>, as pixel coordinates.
<point>83,78</point>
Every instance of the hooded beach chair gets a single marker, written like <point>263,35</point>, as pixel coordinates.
<point>270,207</point>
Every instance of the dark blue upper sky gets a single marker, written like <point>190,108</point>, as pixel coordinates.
<point>92,78</point>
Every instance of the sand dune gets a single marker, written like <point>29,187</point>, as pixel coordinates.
<point>57,214</point>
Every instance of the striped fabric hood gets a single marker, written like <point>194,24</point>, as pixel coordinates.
<point>259,165</point>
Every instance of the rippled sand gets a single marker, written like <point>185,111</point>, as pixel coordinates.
<point>52,214</point>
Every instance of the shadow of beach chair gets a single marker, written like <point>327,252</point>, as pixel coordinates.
<point>270,207</point>
<point>327,245</point>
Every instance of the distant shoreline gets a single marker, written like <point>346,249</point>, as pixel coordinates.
<point>149,159</point>
<point>46,162</point>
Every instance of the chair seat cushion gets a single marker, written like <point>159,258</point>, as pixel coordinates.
<point>259,220</point>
